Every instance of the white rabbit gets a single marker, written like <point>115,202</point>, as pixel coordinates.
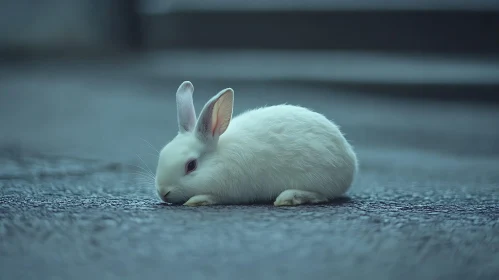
<point>286,154</point>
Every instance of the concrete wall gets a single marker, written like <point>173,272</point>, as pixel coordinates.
<point>62,24</point>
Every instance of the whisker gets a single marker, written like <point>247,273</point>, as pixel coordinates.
<point>145,164</point>
<point>145,175</point>
<point>142,174</point>
<point>143,169</point>
<point>150,145</point>
<point>145,181</point>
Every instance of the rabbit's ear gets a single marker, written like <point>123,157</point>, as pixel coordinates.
<point>186,114</point>
<point>215,117</point>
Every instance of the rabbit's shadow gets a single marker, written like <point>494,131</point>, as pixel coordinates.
<point>339,201</point>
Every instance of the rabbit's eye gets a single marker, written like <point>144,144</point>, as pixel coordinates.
<point>190,166</point>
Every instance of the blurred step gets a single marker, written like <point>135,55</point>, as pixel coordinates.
<point>448,76</point>
<point>408,26</point>
<point>401,74</point>
<point>162,6</point>
<point>354,67</point>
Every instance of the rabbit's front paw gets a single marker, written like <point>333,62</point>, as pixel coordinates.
<point>297,197</point>
<point>200,200</point>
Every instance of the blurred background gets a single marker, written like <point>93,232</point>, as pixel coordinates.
<point>93,76</point>
<point>87,87</point>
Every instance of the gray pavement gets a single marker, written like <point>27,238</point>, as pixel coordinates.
<point>72,206</point>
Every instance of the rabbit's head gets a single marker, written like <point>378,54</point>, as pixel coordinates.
<point>184,163</point>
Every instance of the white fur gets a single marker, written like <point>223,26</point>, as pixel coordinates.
<point>283,153</point>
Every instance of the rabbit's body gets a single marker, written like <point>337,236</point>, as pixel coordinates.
<point>286,154</point>
<point>269,150</point>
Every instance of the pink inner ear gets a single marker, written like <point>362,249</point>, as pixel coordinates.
<point>216,115</point>
<point>215,120</point>
<point>221,114</point>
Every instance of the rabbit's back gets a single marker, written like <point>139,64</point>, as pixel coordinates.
<point>268,150</point>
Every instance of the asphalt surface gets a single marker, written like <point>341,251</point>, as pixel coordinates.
<point>72,204</point>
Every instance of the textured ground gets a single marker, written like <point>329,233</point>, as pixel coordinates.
<point>425,206</point>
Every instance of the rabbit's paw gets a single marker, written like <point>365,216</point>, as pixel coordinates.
<point>201,200</point>
<point>297,197</point>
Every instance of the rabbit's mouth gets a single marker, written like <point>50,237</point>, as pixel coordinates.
<point>165,197</point>
<point>171,198</point>
<point>173,195</point>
